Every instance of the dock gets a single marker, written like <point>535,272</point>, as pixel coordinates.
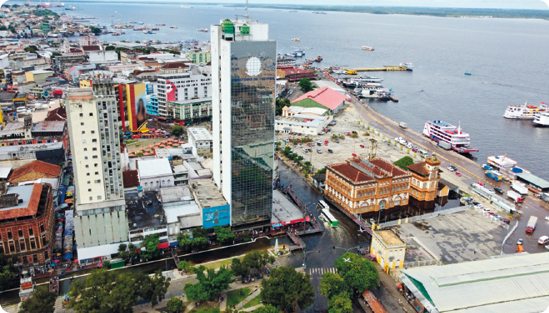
<point>385,68</point>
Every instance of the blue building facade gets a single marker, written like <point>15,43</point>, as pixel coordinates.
<point>152,105</point>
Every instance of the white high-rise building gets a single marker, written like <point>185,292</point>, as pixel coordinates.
<point>100,216</point>
<point>243,101</point>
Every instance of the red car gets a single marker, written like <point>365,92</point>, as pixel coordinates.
<point>362,146</point>
<point>326,143</point>
<point>354,154</point>
<point>309,144</point>
<point>458,173</point>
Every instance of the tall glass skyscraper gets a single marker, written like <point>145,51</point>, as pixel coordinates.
<point>244,73</point>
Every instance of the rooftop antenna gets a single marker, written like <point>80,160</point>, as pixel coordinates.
<point>247,13</point>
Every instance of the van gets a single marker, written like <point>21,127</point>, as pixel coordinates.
<point>403,125</point>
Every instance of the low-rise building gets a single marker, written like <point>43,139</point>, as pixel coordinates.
<point>215,209</point>
<point>155,174</point>
<point>388,249</point>
<point>199,57</point>
<point>182,212</point>
<point>302,124</point>
<point>145,216</point>
<point>190,111</point>
<point>27,218</point>
<point>425,180</point>
<point>53,153</point>
<point>326,97</point>
<point>364,186</point>
<point>33,171</point>
<point>201,139</point>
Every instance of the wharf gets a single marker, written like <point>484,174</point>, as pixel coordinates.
<point>385,68</point>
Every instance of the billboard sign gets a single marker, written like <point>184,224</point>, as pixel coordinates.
<point>136,97</point>
<point>216,216</point>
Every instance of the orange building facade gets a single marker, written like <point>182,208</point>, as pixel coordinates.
<point>425,179</point>
<point>362,186</point>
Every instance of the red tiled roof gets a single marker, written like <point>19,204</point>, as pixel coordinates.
<point>39,168</point>
<point>419,168</point>
<point>59,114</point>
<point>350,172</point>
<point>325,96</point>
<point>31,208</point>
<point>373,303</point>
<point>130,179</point>
<point>91,48</point>
<point>174,65</point>
<point>293,71</point>
<point>395,170</point>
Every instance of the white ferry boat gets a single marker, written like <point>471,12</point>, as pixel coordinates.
<point>409,66</point>
<point>441,131</point>
<point>542,120</point>
<point>526,111</point>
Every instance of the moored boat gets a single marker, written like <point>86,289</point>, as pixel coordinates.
<point>367,48</point>
<point>439,131</point>
<point>525,111</point>
<point>542,120</point>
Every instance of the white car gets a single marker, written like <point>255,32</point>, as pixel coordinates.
<point>319,151</point>
<point>451,169</point>
<point>543,240</point>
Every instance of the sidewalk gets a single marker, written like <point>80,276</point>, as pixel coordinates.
<point>388,294</point>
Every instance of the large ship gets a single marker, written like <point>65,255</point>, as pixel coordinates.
<point>441,131</point>
<point>542,120</point>
<point>526,111</point>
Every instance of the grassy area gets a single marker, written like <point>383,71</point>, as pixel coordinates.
<point>207,310</point>
<point>218,264</point>
<point>255,301</point>
<point>234,297</point>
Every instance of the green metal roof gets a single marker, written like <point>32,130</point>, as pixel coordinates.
<point>534,180</point>
<point>309,103</point>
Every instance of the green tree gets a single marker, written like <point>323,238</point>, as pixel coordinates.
<point>286,289</point>
<point>200,243</point>
<point>185,241</point>
<point>95,30</point>
<point>153,288</point>
<point>404,162</point>
<point>137,41</point>
<point>266,309</point>
<point>224,234</point>
<point>7,272</point>
<point>12,29</point>
<point>110,48</point>
<point>332,285</point>
<point>240,268</point>
<point>210,283</point>
<point>280,104</point>
<point>42,301</point>
<point>258,259</point>
<point>178,130</point>
<point>175,305</point>
<point>185,266</point>
<point>306,85</point>
<point>321,171</point>
<point>340,303</point>
<point>150,243</point>
<point>200,232</point>
<point>358,273</point>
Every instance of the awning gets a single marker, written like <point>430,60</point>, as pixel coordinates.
<point>163,245</point>
<point>307,219</point>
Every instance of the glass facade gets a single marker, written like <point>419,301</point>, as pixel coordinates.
<point>253,73</point>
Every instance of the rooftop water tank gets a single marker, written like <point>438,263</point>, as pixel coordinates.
<point>245,30</point>
<point>228,27</point>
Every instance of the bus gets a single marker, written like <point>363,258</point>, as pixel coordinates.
<point>331,219</point>
<point>323,205</point>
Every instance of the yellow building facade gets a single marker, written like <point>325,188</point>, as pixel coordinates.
<point>388,249</point>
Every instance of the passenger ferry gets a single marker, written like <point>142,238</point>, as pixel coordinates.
<point>525,111</point>
<point>367,48</point>
<point>441,131</point>
<point>326,212</point>
<point>542,120</point>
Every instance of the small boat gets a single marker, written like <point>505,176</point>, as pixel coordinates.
<point>367,48</point>
<point>160,24</point>
<point>296,39</point>
<point>487,167</point>
<point>319,59</point>
<point>155,29</point>
<point>174,27</point>
<point>204,30</point>
<point>467,73</point>
<point>393,98</point>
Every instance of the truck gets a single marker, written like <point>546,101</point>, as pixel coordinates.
<point>493,175</point>
<point>520,188</point>
<point>515,196</point>
<point>531,226</point>
<point>444,145</point>
<point>544,197</point>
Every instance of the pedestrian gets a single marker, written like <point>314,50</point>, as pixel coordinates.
<point>474,252</point>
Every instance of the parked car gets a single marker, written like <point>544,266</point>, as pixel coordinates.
<point>319,151</point>
<point>354,154</point>
<point>497,217</point>
<point>330,150</point>
<point>498,190</point>
<point>485,210</point>
<point>362,146</point>
<point>354,132</point>
<point>490,213</point>
<point>322,133</point>
<point>458,173</point>
<point>506,221</point>
<point>326,143</point>
<point>477,205</point>
<point>520,241</point>
<point>543,240</point>
<point>319,143</point>
<point>336,140</point>
<point>450,168</point>
<point>301,145</point>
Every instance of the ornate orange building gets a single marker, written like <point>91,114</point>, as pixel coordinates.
<point>362,186</point>
<point>425,179</point>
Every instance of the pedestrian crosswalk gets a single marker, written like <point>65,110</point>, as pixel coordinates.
<point>321,270</point>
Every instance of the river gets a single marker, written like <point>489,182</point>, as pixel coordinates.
<point>505,56</point>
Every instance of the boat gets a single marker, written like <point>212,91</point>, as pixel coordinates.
<point>409,66</point>
<point>293,11</point>
<point>526,111</point>
<point>296,39</point>
<point>542,120</point>
<point>367,48</point>
<point>299,53</point>
<point>467,73</point>
<point>155,29</point>
<point>186,7</point>
<point>319,59</point>
<point>204,30</point>
<point>148,32</point>
<point>140,23</point>
<point>174,27</point>
<point>384,96</point>
<point>439,131</point>
<point>160,24</point>
<point>393,98</point>
<point>367,79</point>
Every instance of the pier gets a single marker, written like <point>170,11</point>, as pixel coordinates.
<point>385,68</point>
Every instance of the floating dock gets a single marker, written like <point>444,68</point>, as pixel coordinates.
<point>386,68</point>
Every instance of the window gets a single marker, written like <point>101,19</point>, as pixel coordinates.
<point>96,173</point>
<point>98,197</point>
<point>91,198</point>
<point>95,157</point>
<point>83,140</point>
<point>82,124</point>
<point>93,131</point>
<point>94,140</point>
<point>83,132</point>
<point>33,244</point>
<point>42,228</point>
<point>94,149</point>
<point>20,233</point>
<point>89,190</point>
<point>91,114</point>
<point>81,114</point>
<point>87,166</point>
<point>87,174</point>
<point>95,165</point>
<point>22,244</point>
<point>31,232</point>
<point>85,149</point>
